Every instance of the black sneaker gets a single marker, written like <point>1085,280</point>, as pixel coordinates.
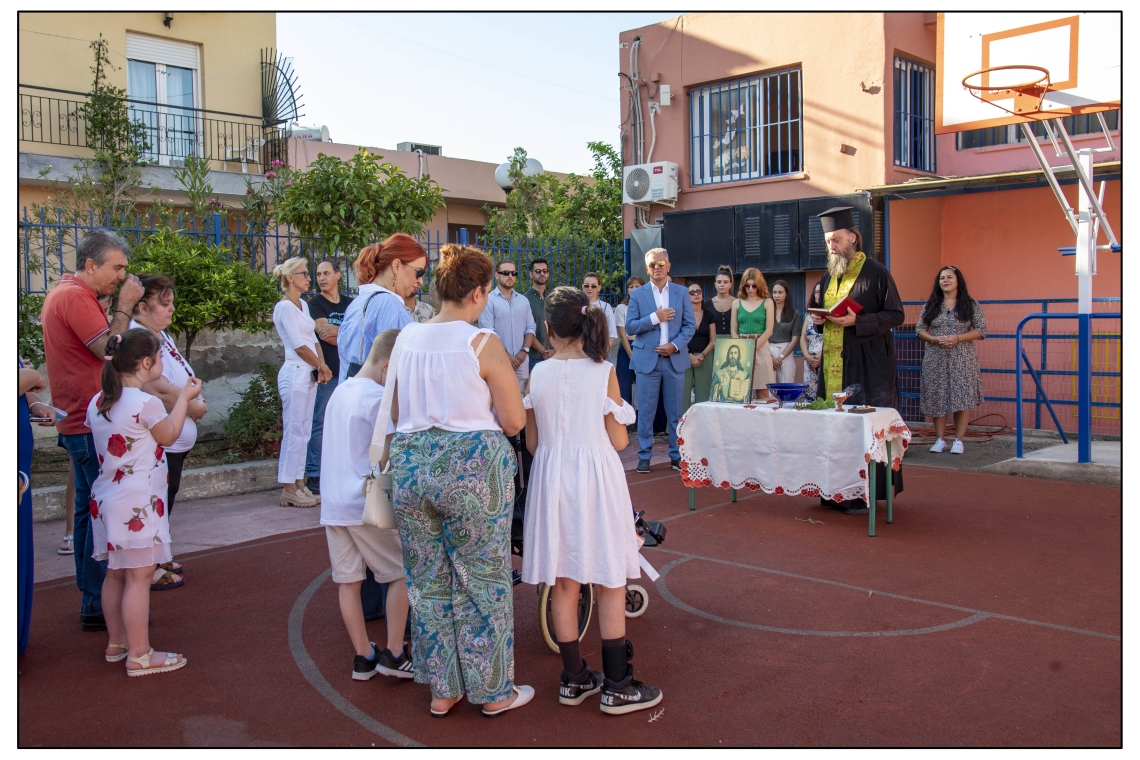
<point>92,623</point>
<point>856,510</point>
<point>628,696</point>
<point>313,484</point>
<point>575,692</point>
<point>643,465</point>
<point>675,464</point>
<point>397,667</point>
<point>364,668</point>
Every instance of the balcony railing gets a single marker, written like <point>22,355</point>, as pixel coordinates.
<point>173,133</point>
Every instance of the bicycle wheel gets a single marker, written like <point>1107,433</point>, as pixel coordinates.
<point>545,620</point>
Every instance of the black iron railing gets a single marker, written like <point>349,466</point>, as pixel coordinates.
<point>172,133</point>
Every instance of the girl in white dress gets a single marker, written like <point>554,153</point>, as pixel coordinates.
<point>579,519</point>
<point>130,523</point>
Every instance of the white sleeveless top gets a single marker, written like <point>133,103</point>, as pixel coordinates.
<point>438,382</point>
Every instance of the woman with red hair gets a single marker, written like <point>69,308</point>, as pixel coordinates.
<point>388,272</point>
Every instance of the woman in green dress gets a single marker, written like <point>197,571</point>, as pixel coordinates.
<point>753,316</point>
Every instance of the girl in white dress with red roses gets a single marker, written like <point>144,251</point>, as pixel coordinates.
<point>130,526</point>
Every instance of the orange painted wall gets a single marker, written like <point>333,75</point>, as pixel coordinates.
<point>916,245</point>
<point>1006,243</point>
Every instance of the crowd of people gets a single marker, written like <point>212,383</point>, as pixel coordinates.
<point>451,396</point>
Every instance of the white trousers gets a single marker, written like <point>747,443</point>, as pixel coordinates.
<point>522,374</point>
<point>298,392</point>
<point>787,371</point>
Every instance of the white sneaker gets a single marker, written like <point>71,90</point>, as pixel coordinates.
<point>957,448</point>
<point>939,447</point>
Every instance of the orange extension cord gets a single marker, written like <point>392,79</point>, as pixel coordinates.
<point>927,434</point>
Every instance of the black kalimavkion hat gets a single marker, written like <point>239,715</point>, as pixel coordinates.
<point>838,218</point>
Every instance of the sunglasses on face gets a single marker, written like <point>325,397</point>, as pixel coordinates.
<point>511,273</point>
<point>540,271</point>
<point>657,265</point>
<point>420,273</point>
<point>696,292</point>
<point>591,287</point>
<point>751,285</point>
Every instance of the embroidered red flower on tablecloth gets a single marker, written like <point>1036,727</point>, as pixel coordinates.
<point>725,484</point>
<point>867,458</point>
<point>118,476</point>
<point>704,462</point>
<point>749,406</point>
<point>134,525</point>
<point>94,508</point>
<point>780,490</point>
<point>680,441</point>
<point>862,473</point>
<point>116,445</point>
<point>810,492</point>
<point>159,507</point>
<point>896,464</point>
<point>905,443</point>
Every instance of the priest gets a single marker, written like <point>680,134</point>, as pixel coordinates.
<point>858,348</point>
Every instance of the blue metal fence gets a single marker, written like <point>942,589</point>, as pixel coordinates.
<point>47,248</point>
<point>1051,348</point>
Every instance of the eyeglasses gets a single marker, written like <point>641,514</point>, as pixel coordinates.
<point>657,265</point>
<point>540,271</point>
<point>591,287</point>
<point>299,274</point>
<point>509,274</point>
<point>696,292</point>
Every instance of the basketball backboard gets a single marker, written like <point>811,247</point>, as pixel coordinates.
<point>1080,51</point>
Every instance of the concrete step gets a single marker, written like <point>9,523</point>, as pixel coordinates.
<point>201,483</point>
<point>1060,463</point>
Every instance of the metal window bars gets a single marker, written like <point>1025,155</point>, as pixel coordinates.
<point>915,146</point>
<point>747,129</point>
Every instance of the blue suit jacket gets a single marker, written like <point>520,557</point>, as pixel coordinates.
<point>646,335</point>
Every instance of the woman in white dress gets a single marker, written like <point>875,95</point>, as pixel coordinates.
<point>592,286</point>
<point>155,312</point>
<point>579,519</point>
<point>297,380</point>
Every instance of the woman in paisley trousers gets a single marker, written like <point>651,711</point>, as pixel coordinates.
<point>454,400</point>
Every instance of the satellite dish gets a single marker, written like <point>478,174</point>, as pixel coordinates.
<point>280,90</point>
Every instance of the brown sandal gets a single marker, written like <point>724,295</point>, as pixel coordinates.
<point>166,581</point>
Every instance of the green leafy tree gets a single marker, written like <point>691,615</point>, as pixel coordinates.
<point>575,207</point>
<point>210,294</point>
<point>349,204</point>
<point>254,422</point>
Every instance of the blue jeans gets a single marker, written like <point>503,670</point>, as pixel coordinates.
<point>662,382</point>
<point>317,437</point>
<point>89,574</point>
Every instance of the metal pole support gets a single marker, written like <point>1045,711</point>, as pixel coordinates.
<point>1084,388</point>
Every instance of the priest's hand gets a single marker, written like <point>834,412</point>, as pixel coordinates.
<point>817,319</point>
<point>846,320</point>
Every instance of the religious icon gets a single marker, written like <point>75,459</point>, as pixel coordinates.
<point>732,370</point>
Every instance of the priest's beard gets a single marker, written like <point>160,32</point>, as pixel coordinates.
<point>837,265</point>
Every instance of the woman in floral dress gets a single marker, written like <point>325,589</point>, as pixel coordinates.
<point>130,523</point>
<point>951,380</point>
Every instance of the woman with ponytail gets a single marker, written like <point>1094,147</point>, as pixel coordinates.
<point>129,515</point>
<point>579,517</point>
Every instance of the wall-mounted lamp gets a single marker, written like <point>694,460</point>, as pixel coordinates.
<point>167,19</point>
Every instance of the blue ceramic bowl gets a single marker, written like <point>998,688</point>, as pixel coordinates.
<point>786,392</point>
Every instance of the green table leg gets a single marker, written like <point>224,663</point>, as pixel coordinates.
<point>871,500</point>
<point>890,486</point>
<point>692,499</point>
<point>734,495</point>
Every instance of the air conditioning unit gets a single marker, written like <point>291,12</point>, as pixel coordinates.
<point>643,184</point>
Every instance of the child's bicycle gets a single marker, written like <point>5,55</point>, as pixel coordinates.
<point>636,597</point>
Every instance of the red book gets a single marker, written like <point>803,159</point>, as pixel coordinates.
<point>839,309</point>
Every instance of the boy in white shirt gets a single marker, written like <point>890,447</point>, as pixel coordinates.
<point>349,420</point>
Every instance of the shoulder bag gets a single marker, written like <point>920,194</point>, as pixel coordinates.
<point>354,367</point>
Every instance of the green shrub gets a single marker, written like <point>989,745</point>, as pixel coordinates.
<point>254,424</point>
<point>29,333</point>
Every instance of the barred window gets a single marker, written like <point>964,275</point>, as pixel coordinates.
<point>1084,124</point>
<point>914,116</point>
<point>746,129</point>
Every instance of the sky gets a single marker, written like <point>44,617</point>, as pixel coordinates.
<point>478,84</point>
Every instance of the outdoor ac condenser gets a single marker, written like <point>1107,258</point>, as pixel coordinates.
<point>643,184</point>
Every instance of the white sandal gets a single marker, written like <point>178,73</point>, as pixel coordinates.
<point>68,546</point>
<point>116,657</point>
<point>165,667</point>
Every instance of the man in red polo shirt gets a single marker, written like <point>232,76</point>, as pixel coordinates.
<point>75,341</point>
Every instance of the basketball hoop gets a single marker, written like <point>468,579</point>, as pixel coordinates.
<point>1027,96</point>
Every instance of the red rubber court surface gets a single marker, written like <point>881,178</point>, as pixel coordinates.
<point>988,614</point>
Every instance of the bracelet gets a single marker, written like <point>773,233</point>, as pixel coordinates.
<point>120,311</point>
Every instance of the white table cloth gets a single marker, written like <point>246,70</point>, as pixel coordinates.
<point>787,451</point>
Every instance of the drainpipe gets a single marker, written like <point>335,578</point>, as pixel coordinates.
<point>420,151</point>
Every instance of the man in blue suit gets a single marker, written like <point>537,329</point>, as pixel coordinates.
<point>660,319</point>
